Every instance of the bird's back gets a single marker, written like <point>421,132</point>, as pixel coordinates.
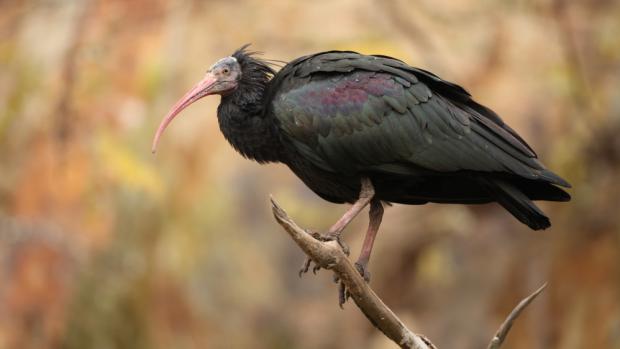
<point>418,137</point>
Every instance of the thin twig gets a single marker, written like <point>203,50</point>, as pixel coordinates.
<point>503,330</point>
<point>329,255</point>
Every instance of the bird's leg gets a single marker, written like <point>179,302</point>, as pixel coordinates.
<point>367,192</point>
<point>375,215</point>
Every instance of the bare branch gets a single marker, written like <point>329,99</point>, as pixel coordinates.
<point>329,255</point>
<point>503,330</point>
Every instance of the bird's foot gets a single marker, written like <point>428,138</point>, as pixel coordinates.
<point>362,268</point>
<point>335,237</point>
<point>305,267</point>
<point>343,293</point>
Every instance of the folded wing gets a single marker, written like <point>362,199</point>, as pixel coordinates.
<point>352,113</point>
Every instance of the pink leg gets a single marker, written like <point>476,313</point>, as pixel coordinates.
<point>375,215</point>
<point>367,192</point>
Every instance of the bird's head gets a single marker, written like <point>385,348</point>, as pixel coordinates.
<point>226,76</point>
<point>222,78</point>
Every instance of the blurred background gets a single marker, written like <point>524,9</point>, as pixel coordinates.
<point>103,245</point>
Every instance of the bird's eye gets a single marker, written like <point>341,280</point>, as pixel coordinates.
<point>226,71</point>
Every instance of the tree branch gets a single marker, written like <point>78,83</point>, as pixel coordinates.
<point>503,330</point>
<point>329,255</point>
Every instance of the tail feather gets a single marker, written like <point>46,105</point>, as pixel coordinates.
<point>539,190</point>
<point>554,178</point>
<point>518,204</point>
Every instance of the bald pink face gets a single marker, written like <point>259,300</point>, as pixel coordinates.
<point>221,78</point>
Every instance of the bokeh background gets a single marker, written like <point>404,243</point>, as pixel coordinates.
<point>103,245</point>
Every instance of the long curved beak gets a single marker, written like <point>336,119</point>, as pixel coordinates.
<point>202,88</point>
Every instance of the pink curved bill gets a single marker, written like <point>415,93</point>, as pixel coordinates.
<point>203,88</point>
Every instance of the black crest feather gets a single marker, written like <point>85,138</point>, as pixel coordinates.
<point>255,76</point>
<point>249,61</point>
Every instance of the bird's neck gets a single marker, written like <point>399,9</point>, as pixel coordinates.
<point>246,127</point>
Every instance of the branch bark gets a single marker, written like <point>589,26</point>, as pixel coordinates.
<point>329,255</point>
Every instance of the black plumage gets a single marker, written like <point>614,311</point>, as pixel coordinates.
<point>337,117</point>
<point>334,117</point>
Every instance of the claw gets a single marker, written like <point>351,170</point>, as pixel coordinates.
<point>305,266</point>
<point>345,247</point>
<point>336,237</point>
<point>343,294</point>
<point>314,234</point>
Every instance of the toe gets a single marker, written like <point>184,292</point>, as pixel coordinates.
<point>345,247</point>
<point>305,267</point>
<point>343,294</point>
<point>362,268</point>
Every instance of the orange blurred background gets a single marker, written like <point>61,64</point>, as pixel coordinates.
<point>103,245</point>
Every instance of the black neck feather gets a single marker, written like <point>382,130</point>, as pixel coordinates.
<point>241,114</point>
